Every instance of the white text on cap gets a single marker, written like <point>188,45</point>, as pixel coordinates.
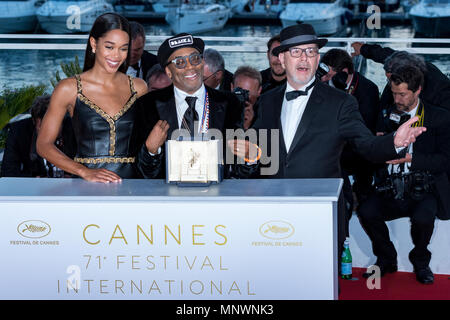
<point>180,41</point>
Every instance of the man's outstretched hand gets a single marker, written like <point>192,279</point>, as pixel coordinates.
<point>407,134</point>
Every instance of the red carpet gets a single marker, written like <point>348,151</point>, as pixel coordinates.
<point>395,286</point>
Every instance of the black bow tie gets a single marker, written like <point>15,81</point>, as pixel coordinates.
<point>135,66</point>
<point>291,95</point>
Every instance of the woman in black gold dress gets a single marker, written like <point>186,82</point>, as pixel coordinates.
<point>101,103</point>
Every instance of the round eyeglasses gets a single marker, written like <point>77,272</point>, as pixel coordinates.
<point>181,62</point>
<point>310,52</point>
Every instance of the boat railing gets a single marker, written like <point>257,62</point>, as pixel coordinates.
<point>223,44</point>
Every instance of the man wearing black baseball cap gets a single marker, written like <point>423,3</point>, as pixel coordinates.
<point>314,121</point>
<point>186,104</point>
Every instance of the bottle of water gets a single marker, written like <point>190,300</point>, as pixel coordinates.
<point>58,172</point>
<point>346,261</point>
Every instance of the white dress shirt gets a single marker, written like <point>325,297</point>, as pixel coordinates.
<point>292,112</point>
<point>133,72</point>
<point>182,106</point>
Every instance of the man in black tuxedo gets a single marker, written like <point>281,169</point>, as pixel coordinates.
<point>140,60</point>
<point>314,121</point>
<point>423,173</point>
<point>179,105</point>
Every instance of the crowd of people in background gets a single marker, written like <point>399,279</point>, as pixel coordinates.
<point>111,122</point>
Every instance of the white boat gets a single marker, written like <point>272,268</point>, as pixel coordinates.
<point>197,18</point>
<point>17,15</point>
<point>326,16</point>
<point>68,16</point>
<point>384,5</point>
<point>163,6</point>
<point>268,7</point>
<point>431,18</point>
<point>137,9</point>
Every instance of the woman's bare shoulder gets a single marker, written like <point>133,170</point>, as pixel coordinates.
<point>67,86</point>
<point>140,86</point>
<point>65,92</point>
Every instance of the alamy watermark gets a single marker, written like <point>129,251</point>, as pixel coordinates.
<point>374,280</point>
<point>73,22</point>
<point>374,20</point>
<point>270,146</point>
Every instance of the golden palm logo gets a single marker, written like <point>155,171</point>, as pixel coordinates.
<point>276,230</point>
<point>33,229</point>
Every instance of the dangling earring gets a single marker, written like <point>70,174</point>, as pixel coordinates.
<point>93,51</point>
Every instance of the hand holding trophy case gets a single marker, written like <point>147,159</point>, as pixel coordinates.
<point>194,162</point>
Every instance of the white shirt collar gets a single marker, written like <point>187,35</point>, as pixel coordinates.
<point>181,104</point>
<point>182,94</point>
<point>289,88</point>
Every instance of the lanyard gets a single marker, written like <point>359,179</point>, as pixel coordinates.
<point>421,114</point>
<point>205,116</point>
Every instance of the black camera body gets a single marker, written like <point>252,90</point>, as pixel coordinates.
<point>241,94</point>
<point>393,119</point>
<point>322,70</point>
<point>414,184</point>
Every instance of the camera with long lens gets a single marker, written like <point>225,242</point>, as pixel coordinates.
<point>322,70</point>
<point>414,184</point>
<point>241,94</point>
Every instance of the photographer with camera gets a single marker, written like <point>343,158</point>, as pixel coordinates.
<point>436,87</point>
<point>247,87</point>
<point>341,74</point>
<point>415,186</point>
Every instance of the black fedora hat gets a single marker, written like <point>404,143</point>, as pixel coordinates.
<point>296,35</point>
<point>181,40</point>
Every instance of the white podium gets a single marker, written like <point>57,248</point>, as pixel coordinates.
<point>145,239</point>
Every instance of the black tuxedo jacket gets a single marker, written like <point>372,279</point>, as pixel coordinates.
<point>148,60</point>
<point>367,95</point>
<point>227,80</point>
<point>225,113</point>
<point>330,120</point>
<point>431,152</point>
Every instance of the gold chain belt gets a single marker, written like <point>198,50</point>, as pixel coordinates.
<point>105,160</point>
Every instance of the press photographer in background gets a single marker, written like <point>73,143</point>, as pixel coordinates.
<point>342,75</point>
<point>415,186</point>
<point>247,87</point>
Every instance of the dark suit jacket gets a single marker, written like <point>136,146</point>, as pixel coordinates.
<point>148,60</point>
<point>227,80</point>
<point>436,88</point>
<point>331,118</point>
<point>367,95</point>
<point>225,113</point>
<point>431,152</point>
<point>21,159</point>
